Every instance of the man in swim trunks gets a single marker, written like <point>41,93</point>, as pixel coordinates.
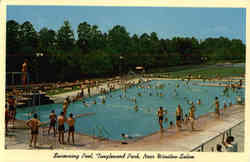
<point>65,107</point>
<point>71,123</point>
<point>61,128</point>
<point>33,124</point>
<point>178,116</point>
<point>7,118</point>
<point>52,117</point>
<point>24,71</point>
<point>12,108</point>
<point>240,83</point>
<point>192,117</point>
<point>160,114</point>
<point>217,107</point>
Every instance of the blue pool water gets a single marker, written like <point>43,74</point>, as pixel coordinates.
<point>118,116</point>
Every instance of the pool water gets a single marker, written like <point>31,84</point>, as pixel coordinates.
<point>118,115</point>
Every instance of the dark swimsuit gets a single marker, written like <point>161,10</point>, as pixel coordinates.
<point>53,123</point>
<point>160,117</point>
<point>11,108</point>
<point>178,117</point>
<point>34,132</point>
<point>61,128</point>
<point>71,129</point>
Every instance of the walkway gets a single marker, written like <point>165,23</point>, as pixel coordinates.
<point>184,140</point>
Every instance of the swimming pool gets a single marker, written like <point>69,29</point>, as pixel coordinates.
<point>118,115</point>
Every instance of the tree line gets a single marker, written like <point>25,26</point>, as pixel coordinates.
<point>103,54</point>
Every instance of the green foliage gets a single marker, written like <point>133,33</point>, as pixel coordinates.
<point>12,37</point>
<point>97,54</point>
<point>65,37</point>
<point>28,38</point>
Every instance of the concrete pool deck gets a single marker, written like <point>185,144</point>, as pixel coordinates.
<point>207,127</point>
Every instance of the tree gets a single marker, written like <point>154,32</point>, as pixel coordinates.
<point>28,38</point>
<point>144,43</point>
<point>47,40</point>
<point>12,37</point>
<point>118,39</point>
<point>65,37</point>
<point>89,37</point>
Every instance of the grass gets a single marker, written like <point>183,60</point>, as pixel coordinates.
<point>206,72</point>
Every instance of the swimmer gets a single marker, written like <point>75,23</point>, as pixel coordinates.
<point>160,114</point>
<point>217,107</point>
<point>7,118</point>
<point>178,116</point>
<point>186,119</point>
<point>12,108</point>
<point>125,136</point>
<point>239,100</point>
<point>199,102</point>
<point>230,104</point>
<point>33,124</point>
<point>61,128</point>
<point>103,101</point>
<point>65,107</point>
<point>94,102</point>
<point>136,108</point>
<point>240,83</point>
<point>71,123</point>
<point>192,117</point>
<point>225,106</point>
<point>171,125</point>
<point>166,120</point>
<point>52,117</point>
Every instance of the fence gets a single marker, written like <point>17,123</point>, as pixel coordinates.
<point>237,131</point>
<point>14,78</point>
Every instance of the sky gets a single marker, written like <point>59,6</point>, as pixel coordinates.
<point>167,22</point>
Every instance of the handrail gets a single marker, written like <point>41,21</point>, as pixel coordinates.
<point>204,143</point>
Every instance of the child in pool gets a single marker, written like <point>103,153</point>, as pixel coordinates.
<point>171,125</point>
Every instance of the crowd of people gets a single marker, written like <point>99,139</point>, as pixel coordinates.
<point>57,124</point>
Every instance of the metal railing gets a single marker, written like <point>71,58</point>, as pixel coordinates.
<point>15,77</point>
<point>210,144</point>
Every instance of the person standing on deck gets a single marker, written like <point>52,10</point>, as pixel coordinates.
<point>33,124</point>
<point>71,123</point>
<point>240,83</point>
<point>61,128</point>
<point>229,144</point>
<point>52,124</point>
<point>178,116</point>
<point>24,71</point>
<point>217,107</point>
<point>7,118</point>
<point>160,114</point>
<point>192,116</point>
<point>65,107</point>
<point>89,90</point>
<point>12,108</point>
